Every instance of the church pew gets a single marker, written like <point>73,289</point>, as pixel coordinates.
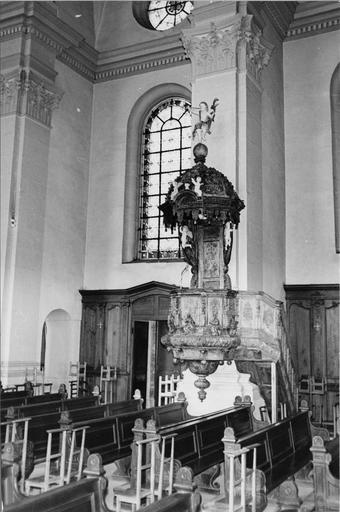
<point>82,496</point>
<point>40,423</point>
<point>283,449</point>
<point>186,498</point>
<point>86,495</point>
<point>43,417</point>
<point>77,417</point>
<point>45,406</point>
<point>199,440</point>
<point>326,485</point>
<point>26,400</point>
<point>112,436</point>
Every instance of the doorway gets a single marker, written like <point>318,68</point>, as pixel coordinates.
<point>140,357</point>
<point>150,358</point>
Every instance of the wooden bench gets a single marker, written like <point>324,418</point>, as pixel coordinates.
<point>40,423</point>
<point>326,474</point>
<point>198,440</point>
<point>185,499</point>
<point>283,449</point>
<point>112,436</point>
<point>87,495</point>
<point>42,405</point>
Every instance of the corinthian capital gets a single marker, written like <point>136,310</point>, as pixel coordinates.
<point>27,95</point>
<point>41,101</point>
<point>239,44</point>
<point>253,51</point>
<point>9,88</point>
<point>213,51</point>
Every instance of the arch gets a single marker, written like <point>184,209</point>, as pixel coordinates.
<point>134,137</point>
<point>335,123</point>
<point>58,351</point>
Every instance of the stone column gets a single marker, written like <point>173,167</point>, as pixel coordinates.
<point>28,97</point>
<point>228,53</point>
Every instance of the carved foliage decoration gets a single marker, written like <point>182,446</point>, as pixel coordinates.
<point>240,44</point>
<point>213,51</point>
<point>28,96</point>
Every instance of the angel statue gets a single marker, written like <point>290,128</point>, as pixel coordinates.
<point>205,119</point>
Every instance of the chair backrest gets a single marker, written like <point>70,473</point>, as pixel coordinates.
<point>59,456</point>
<point>77,375</point>
<point>170,462</point>
<point>146,462</point>
<point>108,374</point>
<point>167,389</point>
<point>76,456</point>
<point>317,386</point>
<point>305,384</point>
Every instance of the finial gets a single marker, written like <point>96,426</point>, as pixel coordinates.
<point>200,152</point>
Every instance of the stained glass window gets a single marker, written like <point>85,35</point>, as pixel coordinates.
<point>166,155</point>
<point>166,14</point>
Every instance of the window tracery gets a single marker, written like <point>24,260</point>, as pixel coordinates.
<point>166,153</point>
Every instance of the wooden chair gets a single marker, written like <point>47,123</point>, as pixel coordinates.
<point>163,461</point>
<point>39,383</point>
<point>62,472</point>
<point>134,496</point>
<point>108,374</point>
<point>167,389</point>
<point>77,378</point>
<point>235,475</point>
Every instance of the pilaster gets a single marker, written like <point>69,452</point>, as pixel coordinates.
<point>228,54</point>
<point>28,97</point>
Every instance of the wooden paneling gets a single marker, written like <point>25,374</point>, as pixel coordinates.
<point>332,336</point>
<point>107,320</point>
<point>299,321</point>
<point>313,331</point>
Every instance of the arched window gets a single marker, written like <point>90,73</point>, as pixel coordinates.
<point>139,119</point>
<point>166,153</point>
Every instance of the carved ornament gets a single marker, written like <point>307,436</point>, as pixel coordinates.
<point>26,96</point>
<point>211,52</point>
<point>240,44</point>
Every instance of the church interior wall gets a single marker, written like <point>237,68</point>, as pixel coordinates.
<point>273,170</point>
<point>117,28</point>
<point>113,102</point>
<point>310,244</point>
<point>7,129</point>
<point>66,204</point>
<point>30,241</point>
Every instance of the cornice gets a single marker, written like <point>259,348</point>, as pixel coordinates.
<point>312,18</point>
<point>76,53</point>
<point>281,15</point>
<point>137,59</point>
<point>38,20</point>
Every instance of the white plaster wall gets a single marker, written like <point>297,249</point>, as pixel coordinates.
<point>115,26</point>
<point>113,102</point>
<point>273,171</point>
<point>6,156</point>
<point>65,217</point>
<point>225,384</point>
<point>310,247</point>
<point>21,339</point>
